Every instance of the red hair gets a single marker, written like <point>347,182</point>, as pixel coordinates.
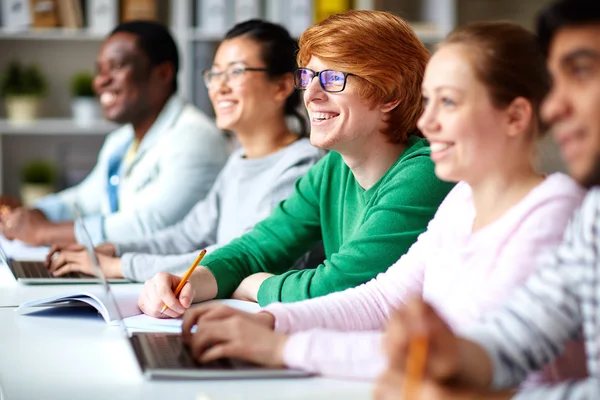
<point>382,50</point>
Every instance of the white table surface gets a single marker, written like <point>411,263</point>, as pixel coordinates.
<point>74,354</point>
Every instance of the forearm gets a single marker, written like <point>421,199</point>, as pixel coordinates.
<point>62,233</point>
<point>204,284</point>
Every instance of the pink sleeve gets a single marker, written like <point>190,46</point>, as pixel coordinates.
<point>337,354</point>
<point>365,307</point>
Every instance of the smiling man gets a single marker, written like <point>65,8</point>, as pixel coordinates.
<point>151,171</point>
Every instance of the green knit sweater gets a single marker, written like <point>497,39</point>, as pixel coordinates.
<point>363,231</point>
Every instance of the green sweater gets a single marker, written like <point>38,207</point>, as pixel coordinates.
<point>363,231</point>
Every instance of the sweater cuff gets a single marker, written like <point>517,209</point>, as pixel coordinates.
<point>94,224</point>
<point>127,266</point>
<point>278,311</point>
<point>269,291</point>
<point>296,351</point>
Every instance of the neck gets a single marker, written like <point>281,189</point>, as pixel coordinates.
<point>372,159</point>
<point>143,124</point>
<point>263,139</point>
<point>500,190</point>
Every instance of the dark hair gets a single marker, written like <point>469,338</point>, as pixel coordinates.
<point>279,55</point>
<point>563,13</point>
<point>508,60</point>
<point>155,41</point>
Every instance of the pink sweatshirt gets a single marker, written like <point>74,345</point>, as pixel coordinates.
<point>461,273</point>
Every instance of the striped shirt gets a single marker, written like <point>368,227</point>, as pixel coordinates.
<point>559,302</point>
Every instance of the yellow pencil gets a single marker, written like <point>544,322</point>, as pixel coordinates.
<point>415,368</point>
<point>186,277</point>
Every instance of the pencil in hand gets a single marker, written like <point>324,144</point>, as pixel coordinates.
<point>186,277</point>
<point>415,368</point>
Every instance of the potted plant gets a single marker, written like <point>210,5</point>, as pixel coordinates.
<point>84,106</point>
<point>22,88</point>
<point>38,178</point>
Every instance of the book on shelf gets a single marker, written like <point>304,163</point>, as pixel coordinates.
<point>325,8</point>
<point>70,13</point>
<point>44,13</point>
<point>132,10</point>
<point>213,16</point>
<point>102,15</point>
<point>15,15</point>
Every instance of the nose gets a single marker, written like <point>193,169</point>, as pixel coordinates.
<point>314,91</point>
<point>428,122</point>
<point>555,106</point>
<point>101,80</point>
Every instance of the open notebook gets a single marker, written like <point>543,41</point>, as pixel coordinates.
<point>127,303</point>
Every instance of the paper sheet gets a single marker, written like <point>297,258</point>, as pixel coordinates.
<point>149,324</point>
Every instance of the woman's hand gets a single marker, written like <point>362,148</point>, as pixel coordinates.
<point>159,291</point>
<point>224,332</point>
<point>76,258</point>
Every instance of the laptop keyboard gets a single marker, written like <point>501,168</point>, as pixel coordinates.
<point>167,351</point>
<point>37,269</point>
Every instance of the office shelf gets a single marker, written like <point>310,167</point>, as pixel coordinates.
<point>55,126</point>
<point>51,34</point>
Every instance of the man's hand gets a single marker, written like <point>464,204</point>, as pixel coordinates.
<point>248,289</point>
<point>224,332</point>
<point>159,291</point>
<point>26,225</point>
<point>75,258</point>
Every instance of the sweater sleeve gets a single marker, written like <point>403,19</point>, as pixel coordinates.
<point>199,228</point>
<point>391,226</point>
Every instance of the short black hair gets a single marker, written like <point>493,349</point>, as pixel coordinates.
<point>155,40</point>
<point>278,52</point>
<point>565,13</point>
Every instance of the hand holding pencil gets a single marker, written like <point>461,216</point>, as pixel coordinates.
<point>167,295</point>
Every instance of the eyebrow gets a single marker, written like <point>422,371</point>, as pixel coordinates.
<point>578,54</point>
<point>442,87</point>
<point>232,63</point>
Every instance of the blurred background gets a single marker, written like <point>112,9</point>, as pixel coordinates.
<point>50,123</point>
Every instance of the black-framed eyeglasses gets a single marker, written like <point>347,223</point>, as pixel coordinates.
<point>233,75</point>
<point>331,80</point>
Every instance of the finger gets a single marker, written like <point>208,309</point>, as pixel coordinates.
<point>210,335</point>
<point>156,303</point>
<point>65,269</point>
<point>222,350</point>
<point>164,289</point>
<point>55,249</point>
<point>58,261</point>
<point>186,295</point>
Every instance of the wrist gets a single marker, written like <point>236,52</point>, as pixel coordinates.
<point>204,285</point>
<point>265,318</point>
<point>114,267</point>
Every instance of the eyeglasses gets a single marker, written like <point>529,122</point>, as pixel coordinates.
<point>330,80</point>
<point>233,76</point>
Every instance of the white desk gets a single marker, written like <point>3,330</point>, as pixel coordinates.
<point>61,355</point>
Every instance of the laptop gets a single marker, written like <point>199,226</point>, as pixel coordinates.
<point>36,272</point>
<point>165,356</point>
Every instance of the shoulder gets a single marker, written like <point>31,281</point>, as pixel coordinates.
<point>301,152</point>
<point>192,122</point>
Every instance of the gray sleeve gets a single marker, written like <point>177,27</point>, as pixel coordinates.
<point>195,231</point>
<point>534,325</point>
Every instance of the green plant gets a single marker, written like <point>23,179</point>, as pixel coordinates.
<point>21,80</point>
<point>39,172</point>
<point>81,85</point>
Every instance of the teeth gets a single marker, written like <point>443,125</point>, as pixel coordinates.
<point>225,103</point>
<point>323,116</point>
<point>107,98</point>
<point>439,146</point>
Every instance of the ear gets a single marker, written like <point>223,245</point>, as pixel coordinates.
<point>520,113</point>
<point>387,107</point>
<point>165,72</point>
<point>284,86</point>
